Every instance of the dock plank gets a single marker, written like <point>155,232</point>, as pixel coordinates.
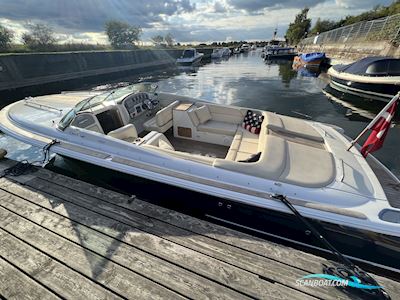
<point>247,242</point>
<point>50,273</point>
<point>206,233</point>
<point>130,248</point>
<point>261,266</point>
<point>209,267</point>
<point>167,274</point>
<point>274,271</point>
<point>116,278</point>
<point>14,284</point>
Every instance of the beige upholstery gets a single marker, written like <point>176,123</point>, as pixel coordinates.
<point>159,140</point>
<point>270,165</point>
<point>243,146</point>
<point>308,166</point>
<point>218,127</point>
<point>127,133</point>
<point>165,145</point>
<point>226,114</point>
<point>285,161</point>
<point>292,126</point>
<point>247,136</point>
<point>162,120</point>
<point>193,117</point>
<point>203,114</point>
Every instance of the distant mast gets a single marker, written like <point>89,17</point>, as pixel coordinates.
<point>275,33</point>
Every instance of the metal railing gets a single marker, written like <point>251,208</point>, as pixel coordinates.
<point>383,29</point>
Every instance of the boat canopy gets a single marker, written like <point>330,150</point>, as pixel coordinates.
<point>308,57</point>
<point>372,66</point>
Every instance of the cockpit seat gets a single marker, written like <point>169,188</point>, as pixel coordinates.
<point>159,140</point>
<point>163,119</point>
<point>126,133</point>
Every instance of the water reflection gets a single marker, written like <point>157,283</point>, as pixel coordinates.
<point>287,73</point>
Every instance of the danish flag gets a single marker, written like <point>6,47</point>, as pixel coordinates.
<point>379,130</point>
<point>380,126</point>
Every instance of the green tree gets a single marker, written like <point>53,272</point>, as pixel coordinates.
<point>121,34</point>
<point>39,37</point>
<point>6,36</point>
<point>169,39</point>
<point>158,39</point>
<point>299,28</point>
<point>375,13</point>
<point>323,25</point>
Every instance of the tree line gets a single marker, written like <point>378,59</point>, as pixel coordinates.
<point>301,27</point>
<point>42,37</point>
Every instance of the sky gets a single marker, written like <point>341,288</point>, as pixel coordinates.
<point>187,20</point>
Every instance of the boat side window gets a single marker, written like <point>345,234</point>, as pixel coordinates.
<point>394,67</point>
<point>378,68</point>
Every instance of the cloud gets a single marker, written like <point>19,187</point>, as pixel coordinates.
<point>361,4</point>
<point>219,7</point>
<point>90,15</point>
<point>256,5</point>
<point>187,20</point>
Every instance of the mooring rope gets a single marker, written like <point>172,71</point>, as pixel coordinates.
<point>347,269</point>
<point>22,167</point>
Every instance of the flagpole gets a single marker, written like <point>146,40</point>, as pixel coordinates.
<point>394,99</point>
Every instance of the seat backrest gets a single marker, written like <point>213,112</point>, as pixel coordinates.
<point>224,113</point>
<point>127,132</point>
<point>164,115</point>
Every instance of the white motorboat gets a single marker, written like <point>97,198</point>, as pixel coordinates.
<point>237,50</point>
<point>253,47</point>
<point>245,48</point>
<point>203,147</point>
<point>216,53</point>
<point>189,57</point>
<point>226,51</point>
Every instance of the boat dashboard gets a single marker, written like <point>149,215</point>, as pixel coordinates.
<point>107,116</point>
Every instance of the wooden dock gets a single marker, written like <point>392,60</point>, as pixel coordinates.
<point>63,238</point>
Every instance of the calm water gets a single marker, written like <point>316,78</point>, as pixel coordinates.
<point>245,80</point>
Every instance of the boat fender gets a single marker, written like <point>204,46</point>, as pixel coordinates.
<point>3,153</point>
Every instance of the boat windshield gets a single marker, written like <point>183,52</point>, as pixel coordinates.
<point>109,96</point>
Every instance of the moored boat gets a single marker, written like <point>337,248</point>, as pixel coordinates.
<point>189,57</point>
<point>226,51</point>
<point>216,53</point>
<point>372,78</point>
<point>245,48</point>
<point>237,50</point>
<point>280,53</point>
<point>243,159</point>
<point>314,59</point>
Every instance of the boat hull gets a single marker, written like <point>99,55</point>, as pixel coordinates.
<point>194,61</point>
<point>374,91</point>
<point>287,56</point>
<point>371,248</point>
